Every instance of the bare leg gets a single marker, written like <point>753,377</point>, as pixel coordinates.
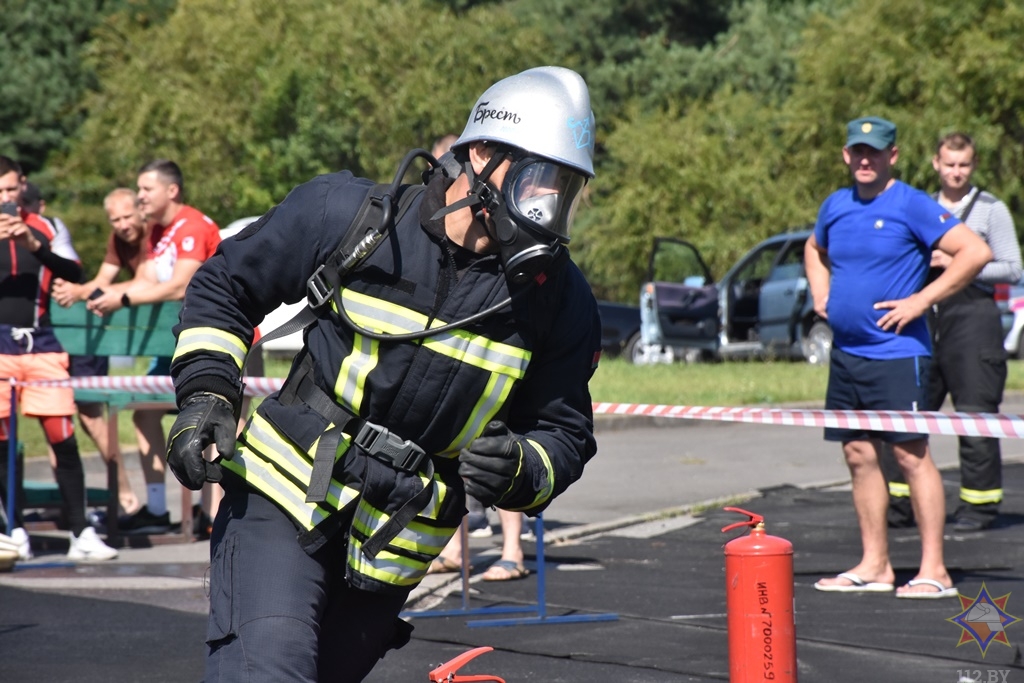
<point>152,444</point>
<point>929,502</point>
<point>870,500</point>
<point>453,551</point>
<point>94,423</point>
<point>511,528</point>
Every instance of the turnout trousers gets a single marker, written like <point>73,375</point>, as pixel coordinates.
<point>278,614</point>
<point>970,367</point>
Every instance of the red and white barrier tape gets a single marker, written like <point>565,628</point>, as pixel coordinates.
<point>157,384</point>
<point>950,424</point>
<point>959,424</point>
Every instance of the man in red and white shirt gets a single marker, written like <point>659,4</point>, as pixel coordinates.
<point>180,239</point>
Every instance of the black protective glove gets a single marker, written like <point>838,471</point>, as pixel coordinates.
<point>492,466</point>
<point>204,418</point>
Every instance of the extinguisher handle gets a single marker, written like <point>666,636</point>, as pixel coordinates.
<point>446,673</point>
<point>754,520</point>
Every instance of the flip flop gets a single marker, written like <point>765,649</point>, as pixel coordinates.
<point>940,590</point>
<point>505,570</point>
<point>443,565</point>
<point>857,585</point>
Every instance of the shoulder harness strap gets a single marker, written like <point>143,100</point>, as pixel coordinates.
<point>374,219</point>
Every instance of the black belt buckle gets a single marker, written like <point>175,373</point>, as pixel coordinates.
<point>390,449</point>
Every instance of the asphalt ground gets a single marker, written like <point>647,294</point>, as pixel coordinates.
<point>637,541</point>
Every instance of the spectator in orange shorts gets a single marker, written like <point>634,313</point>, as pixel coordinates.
<point>29,351</point>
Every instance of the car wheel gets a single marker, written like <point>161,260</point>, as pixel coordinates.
<point>633,350</point>
<point>817,345</point>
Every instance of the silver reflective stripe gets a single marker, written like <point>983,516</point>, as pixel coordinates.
<point>210,339</point>
<point>480,352</point>
<point>545,492</point>
<point>354,369</point>
<point>417,537</point>
<point>269,446</point>
<point>388,566</point>
<point>261,476</point>
<point>457,344</point>
<point>498,388</point>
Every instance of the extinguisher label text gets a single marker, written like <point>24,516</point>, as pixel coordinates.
<point>766,630</point>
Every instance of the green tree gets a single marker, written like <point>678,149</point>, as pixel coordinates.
<point>626,50</point>
<point>252,98</point>
<point>760,155</point>
<point>700,164</point>
<point>930,68</point>
<point>43,78</point>
<point>45,75</point>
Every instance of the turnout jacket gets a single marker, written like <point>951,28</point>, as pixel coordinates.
<point>528,364</point>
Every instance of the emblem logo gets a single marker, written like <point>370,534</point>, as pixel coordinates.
<point>983,620</point>
<point>581,134</point>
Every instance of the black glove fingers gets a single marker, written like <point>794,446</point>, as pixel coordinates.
<point>202,420</point>
<point>225,441</point>
<point>495,428</point>
<point>213,471</point>
<point>499,446</point>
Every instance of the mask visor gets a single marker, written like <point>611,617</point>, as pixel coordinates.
<point>544,195</point>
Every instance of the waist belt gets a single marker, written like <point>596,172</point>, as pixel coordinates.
<point>377,441</point>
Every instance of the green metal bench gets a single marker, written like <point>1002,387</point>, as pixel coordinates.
<point>134,331</point>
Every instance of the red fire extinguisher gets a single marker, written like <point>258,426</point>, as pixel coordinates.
<point>759,604</point>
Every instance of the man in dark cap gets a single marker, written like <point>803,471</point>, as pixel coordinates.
<point>866,264</point>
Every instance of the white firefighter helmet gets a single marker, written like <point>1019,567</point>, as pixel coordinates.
<point>544,111</point>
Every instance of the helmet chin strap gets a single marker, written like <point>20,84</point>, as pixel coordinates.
<point>523,253</point>
<point>479,190</point>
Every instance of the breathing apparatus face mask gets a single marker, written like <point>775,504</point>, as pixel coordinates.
<point>532,215</point>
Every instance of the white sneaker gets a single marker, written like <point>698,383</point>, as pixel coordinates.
<point>89,547</point>
<point>482,532</point>
<point>20,536</point>
<point>8,553</point>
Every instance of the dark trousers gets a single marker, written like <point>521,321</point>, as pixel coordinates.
<point>278,614</point>
<point>70,476</point>
<point>970,367</point>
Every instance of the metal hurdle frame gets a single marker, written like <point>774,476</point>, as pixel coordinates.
<point>539,609</point>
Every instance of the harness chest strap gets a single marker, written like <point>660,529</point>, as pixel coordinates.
<point>377,441</point>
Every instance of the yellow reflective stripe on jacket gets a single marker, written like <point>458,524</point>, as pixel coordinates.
<point>899,489</point>
<point>495,394</point>
<point>386,567</point>
<point>422,542</point>
<point>267,452</point>
<point>209,339</point>
<point>504,362</point>
<point>480,352</point>
<point>975,497</point>
<point>475,350</point>
<point>417,537</point>
<point>352,378</point>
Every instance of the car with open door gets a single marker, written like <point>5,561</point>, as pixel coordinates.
<point>760,308</point>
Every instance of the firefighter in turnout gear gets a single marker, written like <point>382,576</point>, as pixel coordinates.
<point>453,358</point>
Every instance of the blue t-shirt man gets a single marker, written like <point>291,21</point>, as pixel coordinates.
<point>880,250</point>
<point>866,265</point>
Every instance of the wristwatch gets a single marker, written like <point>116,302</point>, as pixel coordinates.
<point>125,301</point>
